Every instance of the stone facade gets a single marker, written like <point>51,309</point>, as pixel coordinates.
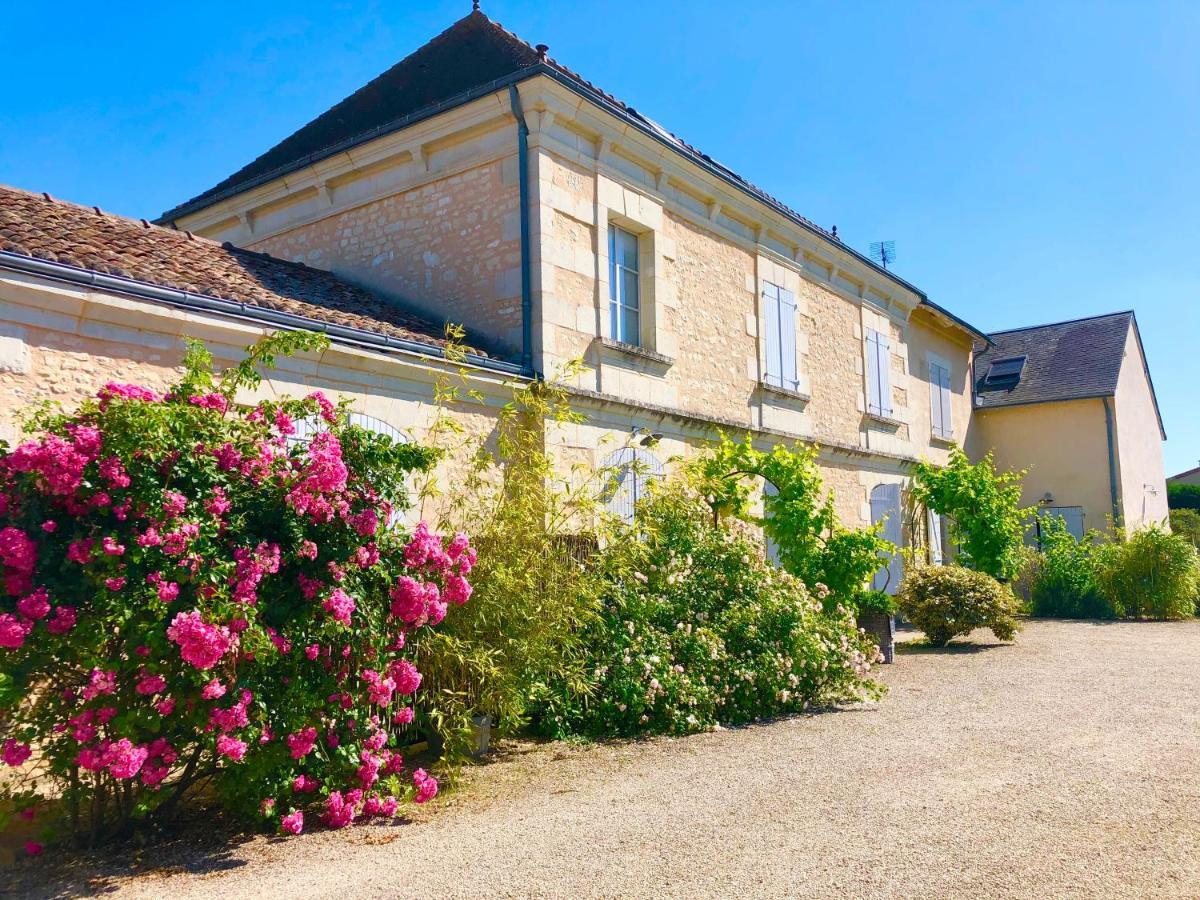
<point>431,214</point>
<point>62,344</point>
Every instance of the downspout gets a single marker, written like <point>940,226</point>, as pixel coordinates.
<point>526,263</point>
<point>1112,462</point>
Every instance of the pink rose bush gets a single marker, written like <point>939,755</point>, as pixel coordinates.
<point>190,595</point>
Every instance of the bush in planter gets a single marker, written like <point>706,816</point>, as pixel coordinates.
<point>948,601</point>
<point>1153,574</point>
<point>698,629</point>
<point>1065,584</point>
<point>190,599</point>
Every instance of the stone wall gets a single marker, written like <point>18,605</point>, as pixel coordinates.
<point>62,345</point>
<point>450,248</point>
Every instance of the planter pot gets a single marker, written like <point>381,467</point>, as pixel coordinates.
<point>481,731</point>
<point>883,629</point>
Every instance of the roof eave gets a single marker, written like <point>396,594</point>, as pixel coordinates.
<point>593,96</point>
<point>960,322</point>
<point>145,290</point>
<point>1020,403</point>
<point>1137,333</point>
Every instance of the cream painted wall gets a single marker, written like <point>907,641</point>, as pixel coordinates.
<point>1139,442</point>
<point>1064,447</point>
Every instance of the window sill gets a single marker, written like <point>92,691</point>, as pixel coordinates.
<point>884,419</point>
<point>940,441</point>
<point>787,393</point>
<point>636,352</point>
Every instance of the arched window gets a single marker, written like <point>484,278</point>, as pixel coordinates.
<point>885,508</point>
<point>628,472</point>
<point>307,429</point>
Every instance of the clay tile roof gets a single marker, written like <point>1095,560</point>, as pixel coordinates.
<point>39,227</point>
<point>1063,361</point>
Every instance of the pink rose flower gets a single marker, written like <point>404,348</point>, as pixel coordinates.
<point>16,753</point>
<point>292,823</point>
<point>426,785</point>
<point>231,747</point>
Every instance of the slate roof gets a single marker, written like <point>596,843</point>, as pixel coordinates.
<point>1064,361</point>
<point>474,51</point>
<point>473,57</point>
<point>40,227</point>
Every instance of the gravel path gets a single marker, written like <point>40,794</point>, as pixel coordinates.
<point>1065,765</point>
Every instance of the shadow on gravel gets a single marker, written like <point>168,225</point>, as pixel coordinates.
<point>196,847</point>
<point>919,647</point>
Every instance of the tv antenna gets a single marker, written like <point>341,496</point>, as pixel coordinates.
<point>883,252</point>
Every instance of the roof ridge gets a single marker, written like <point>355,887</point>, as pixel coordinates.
<point>45,197</point>
<point>1108,315</point>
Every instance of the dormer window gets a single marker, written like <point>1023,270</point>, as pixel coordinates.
<point>1004,373</point>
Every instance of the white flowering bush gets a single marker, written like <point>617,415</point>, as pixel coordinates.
<point>697,630</point>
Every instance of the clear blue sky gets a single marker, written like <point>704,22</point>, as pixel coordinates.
<point>1033,161</point>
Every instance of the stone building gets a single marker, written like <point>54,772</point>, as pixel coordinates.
<point>696,301</point>
<point>481,182</point>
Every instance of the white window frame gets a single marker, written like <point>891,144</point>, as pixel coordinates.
<point>307,428</point>
<point>941,398</point>
<point>621,307</point>
<point>779,337</point>
<point>878,348</point>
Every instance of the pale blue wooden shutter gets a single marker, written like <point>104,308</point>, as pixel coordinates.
<point>939,401</point>
<point>885,507</point>
<point>618,469</point>
<point>879,389</point>
<point>944,393</point>
<point>771,336</point>
<point>769,490</point>
<point>787,339</point>
<point>884,365</point>
<point>629,471</point>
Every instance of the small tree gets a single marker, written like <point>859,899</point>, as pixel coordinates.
<point>532,596</point>
<point>798,517</point>
<point>983,507</point>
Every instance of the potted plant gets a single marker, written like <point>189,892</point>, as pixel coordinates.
<point>877,616</point>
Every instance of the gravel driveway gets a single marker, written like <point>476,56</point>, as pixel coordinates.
<point>1065,765</point>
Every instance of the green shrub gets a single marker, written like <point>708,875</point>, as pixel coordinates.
<point>698,629</point>
<point>875,602</point>
<point>1028,572</point>
<point>1186,522</point>
<point>948,601</point>
<point>1151,575</point>
<point>1065,586</point>
<point>533,595</point>
<point>1183,496</point>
